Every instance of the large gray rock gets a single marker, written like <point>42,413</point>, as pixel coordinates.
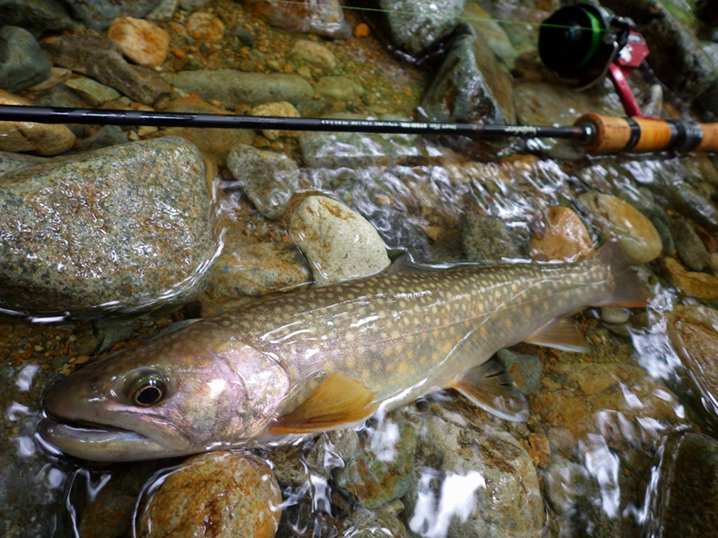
<point>119,229</point>
<point>325,18</point>
<point>417,25</point>
<point>99,58</point>
<point>98,14</point>
<point>22,63</point>
<point>37,16</point>
<point>238,87</point>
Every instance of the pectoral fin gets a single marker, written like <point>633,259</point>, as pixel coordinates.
<point>340,401</point>
<point>560,333</point>
<point>490,387</point>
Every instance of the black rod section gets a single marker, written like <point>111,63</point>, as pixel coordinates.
<point>40,114</point>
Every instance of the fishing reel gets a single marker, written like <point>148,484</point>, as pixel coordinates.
<point>588,42</point>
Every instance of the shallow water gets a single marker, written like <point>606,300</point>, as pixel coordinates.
<point>601,423</point>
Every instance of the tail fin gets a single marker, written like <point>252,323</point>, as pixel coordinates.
<point>627,290</point>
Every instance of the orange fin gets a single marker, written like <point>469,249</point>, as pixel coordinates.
<point>560,333</point>
<point>490,387</point>
<point>340,401</point>
<point>628,290</point>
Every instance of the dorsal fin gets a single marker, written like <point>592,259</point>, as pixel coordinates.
<point>560,333</point>
<point>340,401</point>
<point>490,387</point>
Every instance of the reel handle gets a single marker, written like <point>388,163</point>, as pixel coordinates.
<point>641,135</point>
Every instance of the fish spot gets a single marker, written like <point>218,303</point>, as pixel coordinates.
<point>402,367</point>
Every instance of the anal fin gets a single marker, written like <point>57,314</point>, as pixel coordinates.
<point>560,333</point>
<point>340,401</point>
<point>490,387</point>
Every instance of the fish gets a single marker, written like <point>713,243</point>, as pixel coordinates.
<point>301,363</point>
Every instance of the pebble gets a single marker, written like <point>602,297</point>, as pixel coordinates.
<point>636,235</point>
<point>338,242</point>
<point>614,314</point>
<point>231,86</point>
<point>525,369</point>
<point>93,92</point>
<point>690,283</point>
<point>140,41</point>
<point>282,110</point>
<point>690,248</point>
<point>164,11</point>
<point>268,178</point>
<point>66,216</point>
<point>314,53</point>
<point>563,237</point>
<point>205,27</point>
<point>218,494</point>
<point>338,88</point>
<point>22,136</point>
<point>22,63</point>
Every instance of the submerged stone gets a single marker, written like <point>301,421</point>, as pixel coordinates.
<point>325,18</point>
<point>486,238</point>
<point>118,229</point>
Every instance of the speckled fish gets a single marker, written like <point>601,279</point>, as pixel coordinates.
<point>328,358</point>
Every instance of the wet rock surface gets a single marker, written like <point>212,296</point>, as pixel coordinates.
<point>22,63</point>
<point>73,253</point>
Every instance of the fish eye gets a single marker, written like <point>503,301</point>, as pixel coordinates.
<point>148,390</point>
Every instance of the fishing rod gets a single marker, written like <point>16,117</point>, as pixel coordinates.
<point>597,134</point>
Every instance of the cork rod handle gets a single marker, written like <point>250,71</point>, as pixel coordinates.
<point>640,135</point>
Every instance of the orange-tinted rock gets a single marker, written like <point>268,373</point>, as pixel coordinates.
<point>691,283</point>
<point>564,237</point>
<point>141,41</point>
<point>205,26</point>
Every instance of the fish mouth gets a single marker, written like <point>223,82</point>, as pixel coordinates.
<point>98,442</point>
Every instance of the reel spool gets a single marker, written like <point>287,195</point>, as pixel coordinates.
<point>588,42</point>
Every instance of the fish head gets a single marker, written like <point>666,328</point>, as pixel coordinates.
<point>171,397</point>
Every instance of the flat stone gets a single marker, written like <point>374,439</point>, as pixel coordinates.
<point>123,228</point>
<point>93,92</point>
<point>231,86</point>
<point>563,237</point>
<point>280,110</point>
<point>338,88</point>
<point>314,53</point>
<point>23,136</point>
<point>99,58</point>
<point>22,63</point>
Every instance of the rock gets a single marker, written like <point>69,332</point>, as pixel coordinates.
<point>686,199</point>
<point>491,31</point>
<point>107,135</point>
<point>99,58</point>
<point>222,494</point>
<point>614,315</point>
<point>472,479</point>
<point>416,26</point>
<point>216,143</point>
<point>486,238</point>
<point>691,283</point>
<point>314,53</point>
<point>338,88</point>
<point>205,27</point>
<point>109,515</point>
<point>694,337</point>
<point>282,110</point>
<point>563,237</point>
<point>37,16</point>
<point>691,249</point>
<point>382,471</point>
<point>23,136</point>
<point>93,92</point>
<point>22,63</point>
<point>238,87</point>
<point>357,150</point>
<point>371,524</point>
<point>140,41</point>
<point>10,161</point>
<point>85,240</point>
<point>539,103</point>
<point>268,178</point>
<point>470,86</point>
<point>325,19</point>
<point>164,11</point>
<point>251,270</point>
<point>192,5</point>
<point>338,242</point>
<point>636,235</point>
<point>525,370</point>
<point>681,503</point>
<point>98,14</point>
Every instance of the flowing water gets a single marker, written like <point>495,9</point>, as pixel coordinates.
<point>604,425</point>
